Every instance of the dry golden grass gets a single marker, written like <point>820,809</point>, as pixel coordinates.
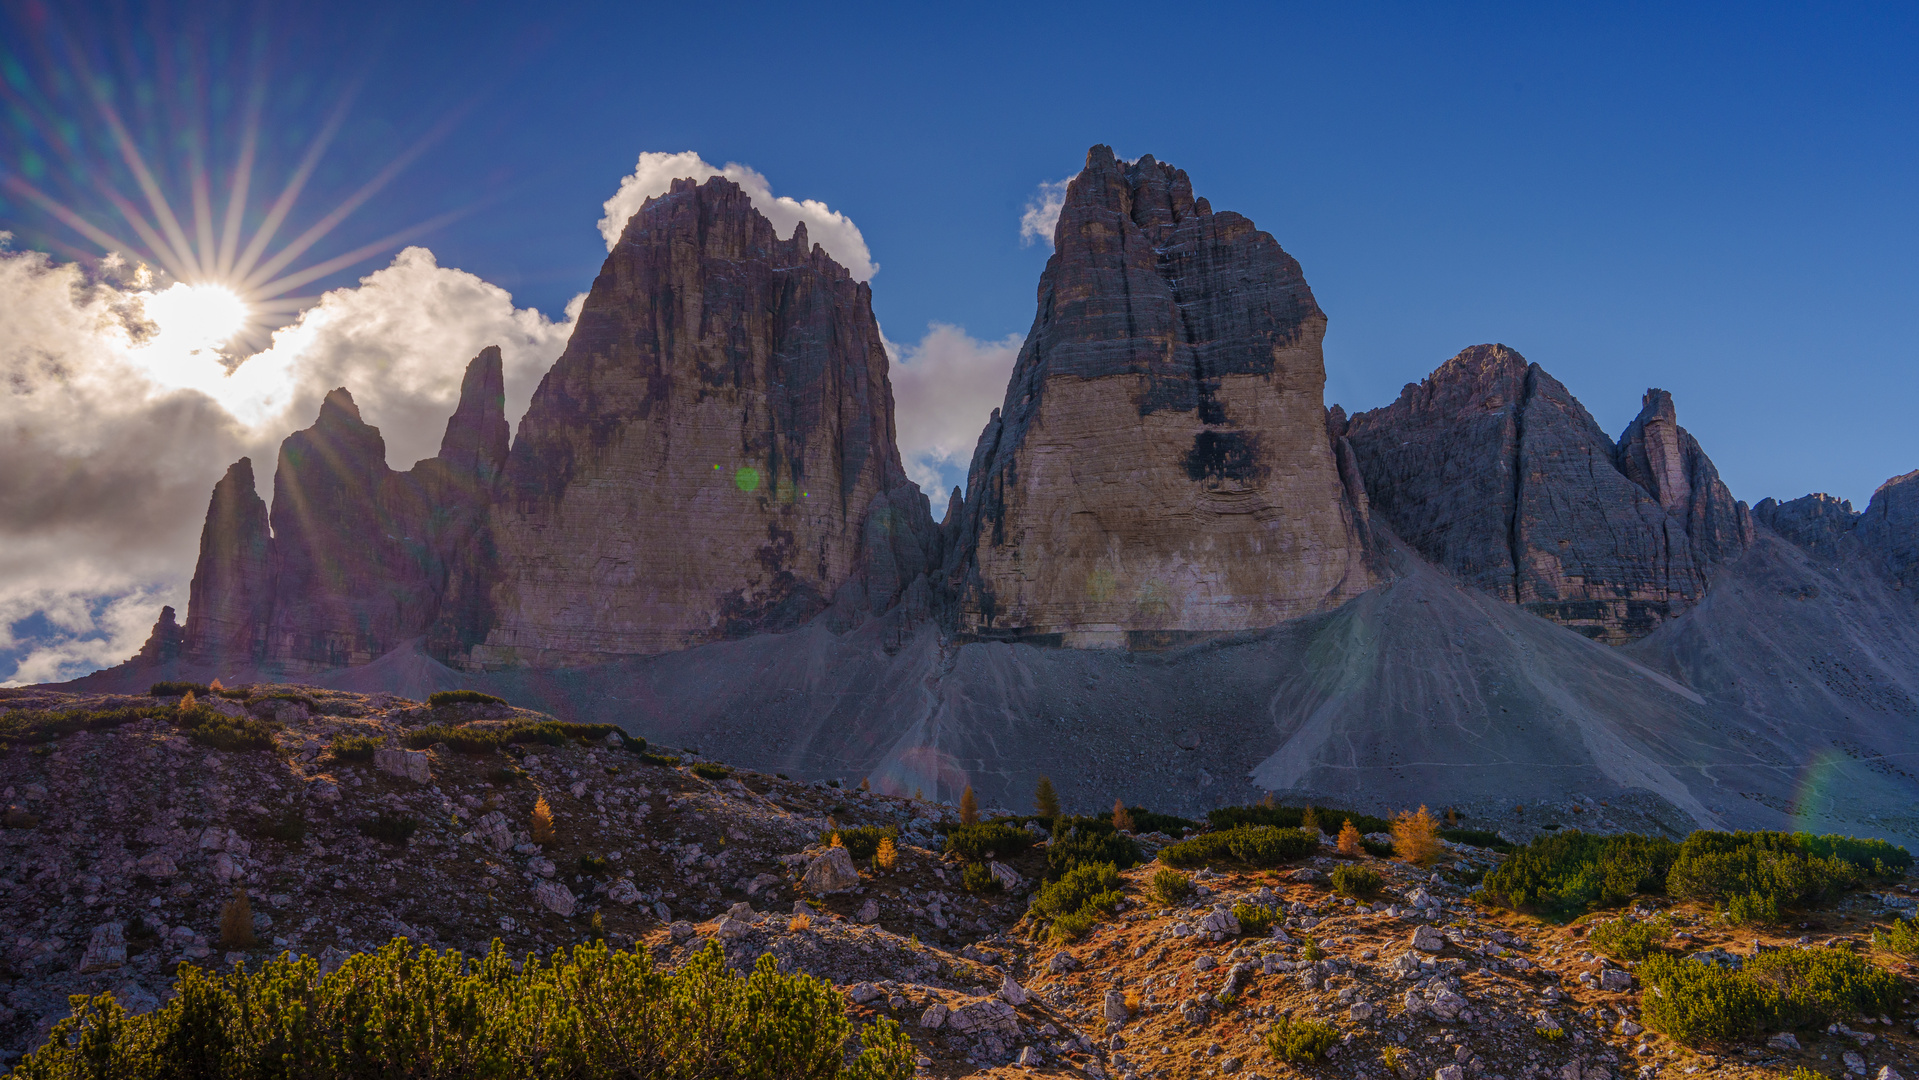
<point>800,921</point>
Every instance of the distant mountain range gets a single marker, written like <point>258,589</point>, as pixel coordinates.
<point>1174,576</point>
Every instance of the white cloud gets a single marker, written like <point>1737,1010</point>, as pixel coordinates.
<point>1042,213</point>
<point>654,174</point>
<point>944,389</point>
<point>116,430</point>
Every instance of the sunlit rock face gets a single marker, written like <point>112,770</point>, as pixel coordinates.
<point>1161,466</point>
<point>699,464</point>
<point>1889,529</point>
<point>1492,470</point>
<point>231,598</point>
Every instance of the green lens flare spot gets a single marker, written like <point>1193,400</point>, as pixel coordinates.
<point>747,479</point>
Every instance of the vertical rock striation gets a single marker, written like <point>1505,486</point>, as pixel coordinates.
<point>700,462</point>
<point>1160,466</point>
<point>1491,469</point>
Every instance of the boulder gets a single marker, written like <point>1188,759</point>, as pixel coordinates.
<point>1011,992</point>
<point>106,949</point>
<point>155,865</point>
<point>554,897</point>
<point>1428,939</point>
<point>985,1016</point>
<point>869,912</point>
<point>493,831</point>
<point>623,892</point>
<point>1114,1008</point>
<point>414,765</point>
<point>832,872</point>
<point>933,1017</point>
<point>1220,920</point>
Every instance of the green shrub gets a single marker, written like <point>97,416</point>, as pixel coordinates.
<point>1079,899</point>
<point>1081,847</point>
<point>1878,857</point>
<point>1901,937</point>
<point>178,689</point>
<point>221,732</point>
<point>1784,988</point>
<point>1146,821</point>
<point>1482,838</point>
<point>595,866</point>
<point>864,842</point>
<point>665,761</point>
<point>288,827</point>
<point>1356,881</point>
<point>1565,873</point>
<point>391,828</point>
<point>1291,817</point>
<point>1310,951</point>
<point>355,747</point>
<point>478,740</point>
<point>1256,919</point>
<point>1169,886</point>
<point>708,770</point>
<point>977,877</point>
<point>45,725</point>
<point>462,697</point>
<point>1626,939</point>
<point>590,1012</point>
<point>1300,1042</point>
<point>1254,845</point>
<point>1757,874</point>
<point>1378,849</point>
<point>987,839</point>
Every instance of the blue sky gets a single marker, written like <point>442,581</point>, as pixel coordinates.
<point>1713,199</point>
<point>1717,200</point>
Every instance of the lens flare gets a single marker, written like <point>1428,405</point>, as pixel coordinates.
<point>197,318</point>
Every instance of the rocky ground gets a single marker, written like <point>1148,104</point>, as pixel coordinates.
<point>122,847</point>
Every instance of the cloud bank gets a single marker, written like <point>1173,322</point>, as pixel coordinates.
<point>1041,216</point>
<point>944,389</point>
<point>118,431</point>
<point>654,175</point>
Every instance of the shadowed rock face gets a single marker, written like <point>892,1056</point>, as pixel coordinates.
<point>353,573</point>
<point>1816,522</point>
<point>1160,466</point>
<point>1492,470</point>
<point>700,461</point>
<point>231,597</point>
<point>1889,529</point>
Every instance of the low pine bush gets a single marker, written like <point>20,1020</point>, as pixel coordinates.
<point>1169,886</point>
<point>977,877</point>
<point>1356,881</point>
<point>1256,919</point>
<point>1481,838</point>
<point>1784,988</point>
<point>462,697</point>
<point>177,689</point>
<point>987,839</point>
<point>1759,874</point>
<point>708,770</point>
<point>1079,899</point>
<point>1290,817</point>
<point>485,740</point>
<point>862,843</point>
<point>589,1012</point>
<point>1563,874</point>
<point>354,747</point>
<point>1628,939</point>
<point>1299,1041</point>
<point>1254,845</point>
<point>1901,937</point>
<point>1082,847</point>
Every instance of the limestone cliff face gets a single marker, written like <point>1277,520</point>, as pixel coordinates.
<point>1818,522</point>
<point>1492,470</point>
<point>1889,528</point>
<point>231,597</point>
<point>701,461</point>
<point>1161,464</point>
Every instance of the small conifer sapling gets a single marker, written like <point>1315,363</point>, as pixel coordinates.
<point>1416,837</point>
<point>969,807</point>
<point>1349,840</point>
<point>542,830</point>
<point>1122,819</point>
<point>888,855</point>
<point>1046,800</point>
<point>236,923</point>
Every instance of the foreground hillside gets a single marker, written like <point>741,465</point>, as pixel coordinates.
<point>133,827</point>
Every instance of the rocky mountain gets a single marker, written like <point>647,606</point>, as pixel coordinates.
<point>1471,596</point>
<point>1492,470</point>
<point>1160,467</point>
<point>700,462</point>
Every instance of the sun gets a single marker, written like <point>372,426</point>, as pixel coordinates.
<point>197,317</point>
